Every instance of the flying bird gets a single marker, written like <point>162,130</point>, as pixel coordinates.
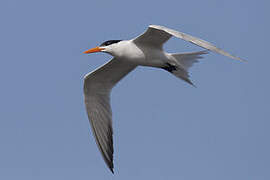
<point>144,50</point>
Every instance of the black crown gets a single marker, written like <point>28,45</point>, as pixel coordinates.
<point>107,43</point>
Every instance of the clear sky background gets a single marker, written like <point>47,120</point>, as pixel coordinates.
<point>163,127</point>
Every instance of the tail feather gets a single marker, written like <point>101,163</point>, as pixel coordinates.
<point>182,62</point>
<point>186,60</point>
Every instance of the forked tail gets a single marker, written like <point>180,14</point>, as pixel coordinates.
<point>182,62</point>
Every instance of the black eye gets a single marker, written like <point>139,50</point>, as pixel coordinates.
<point>107,43</point>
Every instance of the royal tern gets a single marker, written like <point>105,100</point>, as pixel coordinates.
<point>144,50</point>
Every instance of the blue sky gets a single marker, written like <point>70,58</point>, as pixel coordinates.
<point>219,130</point>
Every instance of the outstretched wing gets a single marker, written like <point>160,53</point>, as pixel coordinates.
<point>158,35</point>
<point>153,37</point>
<point>97,88</point>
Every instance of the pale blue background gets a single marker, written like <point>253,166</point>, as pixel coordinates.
<point>164,128</point>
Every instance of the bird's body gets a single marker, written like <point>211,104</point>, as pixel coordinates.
<point>144,50</point>
<point>138,54</point>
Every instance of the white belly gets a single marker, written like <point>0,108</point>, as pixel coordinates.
<point>144,56</point>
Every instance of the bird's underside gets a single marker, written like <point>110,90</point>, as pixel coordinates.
<point>99,83</point>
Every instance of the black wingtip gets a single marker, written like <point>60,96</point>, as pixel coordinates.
<point>111,169</point>
<point>190,82</point>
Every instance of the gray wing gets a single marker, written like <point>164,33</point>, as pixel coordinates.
<point>153,37</point>
<point>97,88</point>
<point>158,35</point>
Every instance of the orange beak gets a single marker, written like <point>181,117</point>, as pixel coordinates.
<point>93,50</point>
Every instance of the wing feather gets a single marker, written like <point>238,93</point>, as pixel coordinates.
<point>153,37</point>
<point>157,35</point>
<point>97,88</point>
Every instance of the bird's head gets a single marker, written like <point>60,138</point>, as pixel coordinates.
<point>107,46</point>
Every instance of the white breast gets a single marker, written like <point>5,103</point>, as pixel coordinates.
<point>140,55</point>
